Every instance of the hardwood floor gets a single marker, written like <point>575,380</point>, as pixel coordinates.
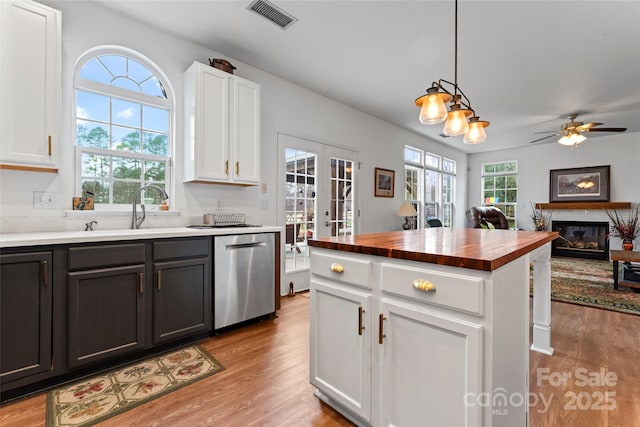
<point>266,378</point>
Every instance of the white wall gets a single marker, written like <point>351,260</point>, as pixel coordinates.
<point>285,108</point>
<point>620,151</point>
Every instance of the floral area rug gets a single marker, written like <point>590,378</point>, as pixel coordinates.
<point>590,282</point>
<point>89,401</point>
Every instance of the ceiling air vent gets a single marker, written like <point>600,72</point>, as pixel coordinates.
<point>273,13</point>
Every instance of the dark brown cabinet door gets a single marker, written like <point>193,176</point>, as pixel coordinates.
<point>25,315</point>
<point>106,313</point>
<point>182,299</point>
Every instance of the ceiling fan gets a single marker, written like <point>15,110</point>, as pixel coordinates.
<point>572,131</point>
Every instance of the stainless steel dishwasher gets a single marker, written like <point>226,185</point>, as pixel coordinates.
<point>244,278</point>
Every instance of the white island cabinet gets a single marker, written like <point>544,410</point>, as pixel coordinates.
<point>422,337</point>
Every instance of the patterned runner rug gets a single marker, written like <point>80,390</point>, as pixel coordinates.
<point>590,282</point>
<point>89,401</point>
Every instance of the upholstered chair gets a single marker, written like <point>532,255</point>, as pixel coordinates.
<point>478,215</point>
<point>434,222</point>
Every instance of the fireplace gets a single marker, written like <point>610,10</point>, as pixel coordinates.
<point>581,239</point>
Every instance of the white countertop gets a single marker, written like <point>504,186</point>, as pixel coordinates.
<point>14,240</point>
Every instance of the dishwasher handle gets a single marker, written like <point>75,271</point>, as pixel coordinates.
<point>245,245</point>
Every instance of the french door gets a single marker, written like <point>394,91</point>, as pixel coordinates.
<point>318,198</point>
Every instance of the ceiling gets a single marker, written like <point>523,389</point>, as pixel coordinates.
<point>525,65</point>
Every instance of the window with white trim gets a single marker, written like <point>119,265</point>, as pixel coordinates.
<point>500,188</point>
<point>430,182</point>
<point>123,119</point>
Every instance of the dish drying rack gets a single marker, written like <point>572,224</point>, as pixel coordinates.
<point>229,218</point>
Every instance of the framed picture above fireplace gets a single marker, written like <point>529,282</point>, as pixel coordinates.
<point>590,184</point>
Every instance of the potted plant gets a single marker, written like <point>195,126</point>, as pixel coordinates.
<point>540,220</point>
<point>628,229</point>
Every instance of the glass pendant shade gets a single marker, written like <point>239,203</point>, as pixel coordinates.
<point>573,138</point>
<point>433,109</point>
<point>456,122</point>
<point>475,134</point>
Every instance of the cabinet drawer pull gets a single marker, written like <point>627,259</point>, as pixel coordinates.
<point>237,168</point>
<point>159,280</point>
<point>49,143</point>
<point>381,334</point>
<point>360,323</point>
<point>424,285</point>
<point>45,273</point>
<point>141,282</point>
<point>337,268</point>
<point>226,167</point>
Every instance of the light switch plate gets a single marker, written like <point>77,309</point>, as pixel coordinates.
<point>44,200</point>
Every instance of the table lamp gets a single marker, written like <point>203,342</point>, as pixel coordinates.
<point>407,210</point>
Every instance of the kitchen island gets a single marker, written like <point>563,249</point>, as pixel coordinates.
<point>428,327</point>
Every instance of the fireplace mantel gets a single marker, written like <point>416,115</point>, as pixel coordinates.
<point>584,205</point>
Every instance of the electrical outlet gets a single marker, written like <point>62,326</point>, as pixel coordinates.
<point>44,200</point>
<point>264,204</point>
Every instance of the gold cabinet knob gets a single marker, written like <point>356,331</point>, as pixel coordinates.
<point>337,268</point>
<point>424,285</point>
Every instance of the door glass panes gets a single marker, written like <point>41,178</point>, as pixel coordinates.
<point>300,206</point>
<point>341,204</point>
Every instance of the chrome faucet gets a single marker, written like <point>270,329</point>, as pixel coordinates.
<point>136,221</point>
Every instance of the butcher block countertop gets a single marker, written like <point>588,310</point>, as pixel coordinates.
<point>474,248</point>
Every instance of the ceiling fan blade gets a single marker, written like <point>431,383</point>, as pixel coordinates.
<point>588,126</point>
<point>544,137</point>
<point>606,130</point>
<point>546,131</point>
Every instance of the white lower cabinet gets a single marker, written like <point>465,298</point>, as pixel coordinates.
<point>341,346</point>
<point>427,362</point>
<point>402,343</point>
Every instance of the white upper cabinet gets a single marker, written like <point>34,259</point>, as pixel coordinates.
<point>222,127</point>
<point>30,78</point>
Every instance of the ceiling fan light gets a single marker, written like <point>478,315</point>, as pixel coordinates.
<point>433,109</point>
<point>456,123</point>
<point>572,138</point>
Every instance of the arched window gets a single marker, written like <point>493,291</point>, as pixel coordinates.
<point>123,118</point>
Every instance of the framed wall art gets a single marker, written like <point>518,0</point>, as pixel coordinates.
<point>384,181</point>
<point>590,184</point>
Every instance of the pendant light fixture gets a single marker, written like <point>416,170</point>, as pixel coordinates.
<point>433,108</point>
